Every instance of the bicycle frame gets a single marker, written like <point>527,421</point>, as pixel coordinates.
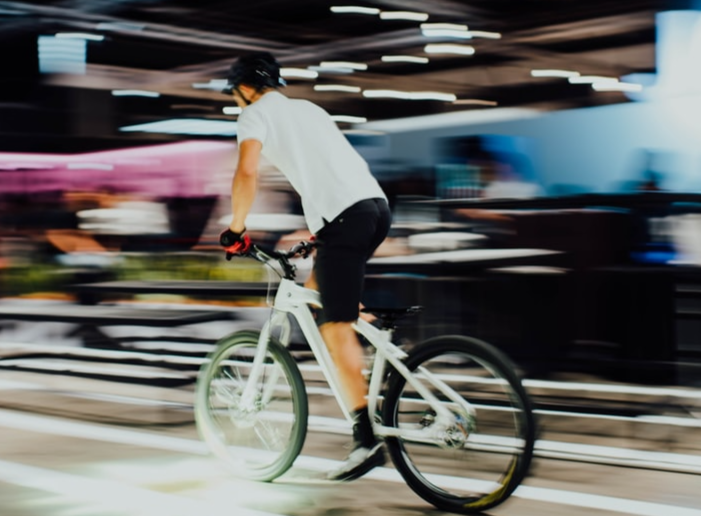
<point>294,300</point>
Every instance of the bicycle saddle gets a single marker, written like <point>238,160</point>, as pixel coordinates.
<point>389,316</point>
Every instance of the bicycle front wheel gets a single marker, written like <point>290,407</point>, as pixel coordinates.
<point>260,437</point>
<point>474,459</point>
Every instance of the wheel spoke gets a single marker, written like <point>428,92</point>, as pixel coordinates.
<point>474,459</point>
<point>262,438</point>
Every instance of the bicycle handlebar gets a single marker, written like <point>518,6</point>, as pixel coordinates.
<point>262,255</point>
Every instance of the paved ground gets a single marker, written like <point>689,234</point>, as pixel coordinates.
<point>80,447</point>
<point>86,447</point>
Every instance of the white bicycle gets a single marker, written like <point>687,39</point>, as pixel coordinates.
<point>455,418</point>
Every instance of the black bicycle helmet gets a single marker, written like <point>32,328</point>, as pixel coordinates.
<point>259,70</point>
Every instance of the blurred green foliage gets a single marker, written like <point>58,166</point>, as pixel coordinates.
<point>50,277</point>
<point>188,266</point>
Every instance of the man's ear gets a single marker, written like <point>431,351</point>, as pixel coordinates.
<point>246,90</point>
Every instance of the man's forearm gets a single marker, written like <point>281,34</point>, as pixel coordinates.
<point>243,193</point>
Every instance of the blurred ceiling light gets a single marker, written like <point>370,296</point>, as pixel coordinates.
<point>409,95</point>
<point>213,84</point>
<point>404,59</point>
<point>135,93</point>
<point>485,34</point>
<point>321,69</point>
<point>90,166</point>
<point>446,33</point>
<point>337,87</point>
<point>349,119</point>
<point>443,26</point>
<point>232,110</point>
<point>80,35</point>
<point>403,15</point>
<point>590,79</point>
<point>343,64</point>
<point>298,73</point>
<point>123,26</point>
<point>438,48</point>
<point>616,86</point>
<point>12,12</point>
<point>186,126</point>
<point>564,74</point>
<point>62,55</point>
<point>475,102</point>
<point>354,9</point>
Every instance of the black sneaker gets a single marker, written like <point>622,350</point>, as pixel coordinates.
<point>360,461</point>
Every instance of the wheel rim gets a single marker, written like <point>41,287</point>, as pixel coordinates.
<point>254,438</point>
<point>479,460</point>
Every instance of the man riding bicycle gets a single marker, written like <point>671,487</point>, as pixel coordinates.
<point>344,207</point>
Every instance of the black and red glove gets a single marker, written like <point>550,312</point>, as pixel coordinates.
<point>234,243</point>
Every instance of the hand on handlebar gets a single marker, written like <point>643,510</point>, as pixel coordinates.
<point>235,244</point>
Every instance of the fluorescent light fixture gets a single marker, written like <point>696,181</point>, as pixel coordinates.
<point>343,64</point>
<point>445,48</point>
<point>590,79</point>
<point>298,73</point>
<point>62,55</point>
<point>349,119</point>
<point>354,9</point>
<point>121,26</point>
<point>232,110</point>
<point>446,33</point>
<point>475,102</point>
<point>213,84</point>
<point>12,12</point>
<point>337,87</point>
<point>409,95</point>
<point>135,93</point>
<point>90,166</point>
<point>192,126</point>
<point>443,26</point>
<point>321,69</point>
<point>485,34</point>
<point>80,35</point>
<point>404,59</point>
<point>616,86</point>
<point>403,15</point>
<point>564,74</point>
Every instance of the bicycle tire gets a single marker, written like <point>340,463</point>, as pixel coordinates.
<point>260,443</point>
<point>490,449</point>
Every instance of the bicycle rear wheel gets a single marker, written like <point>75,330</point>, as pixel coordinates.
<point>475,462</point>
<point>259,441</point>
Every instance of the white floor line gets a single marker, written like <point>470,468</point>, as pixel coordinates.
<point>110,495</point>
<point>545,448</point>
<point>57,426</point>
<point>68,428</point>
<point>604,388</point>
<point>614,389</point>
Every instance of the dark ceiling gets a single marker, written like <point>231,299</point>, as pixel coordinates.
<point>166,46</point>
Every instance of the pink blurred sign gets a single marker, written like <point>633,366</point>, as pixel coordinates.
<point>183,169</point>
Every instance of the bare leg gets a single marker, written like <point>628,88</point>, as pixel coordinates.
<point>347,354</point>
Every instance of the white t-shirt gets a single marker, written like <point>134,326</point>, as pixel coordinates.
<point>304,143</point>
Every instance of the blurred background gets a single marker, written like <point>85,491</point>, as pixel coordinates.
<point>542,160</point>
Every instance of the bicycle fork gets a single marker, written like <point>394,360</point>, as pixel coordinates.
<point>251,397</point>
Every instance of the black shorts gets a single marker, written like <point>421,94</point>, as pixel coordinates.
<point>344,246</point>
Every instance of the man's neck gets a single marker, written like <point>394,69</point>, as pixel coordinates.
<point>259,95</point>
